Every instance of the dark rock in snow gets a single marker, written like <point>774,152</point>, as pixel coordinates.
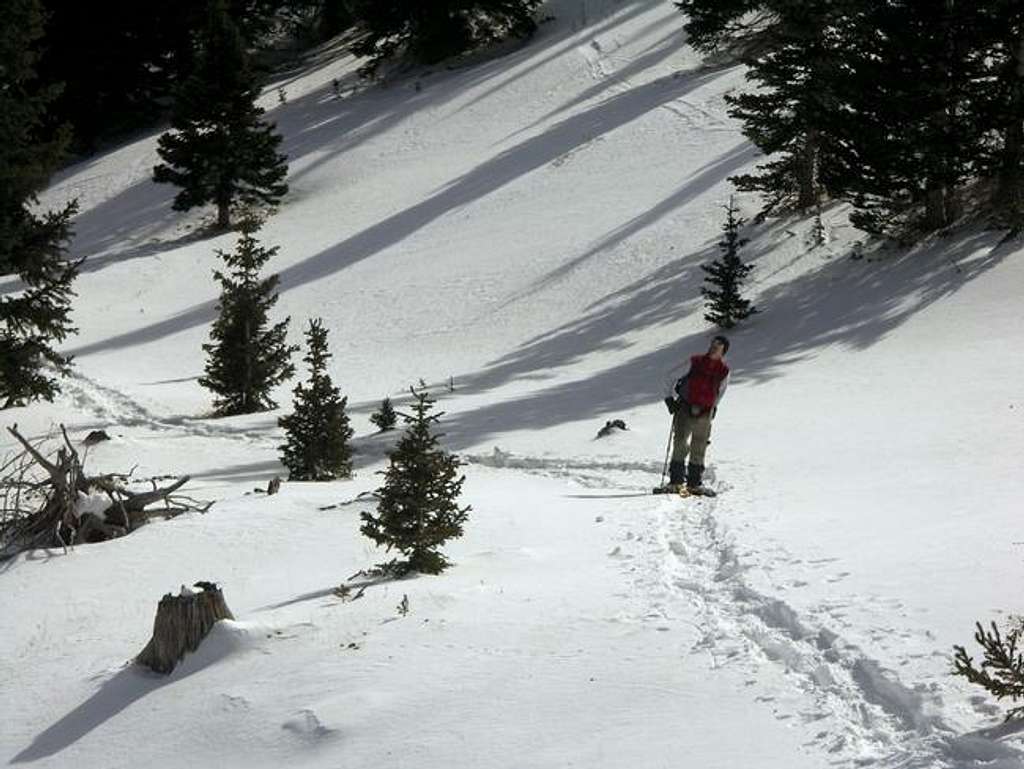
<point>96,436</point>
<point>610,427</point>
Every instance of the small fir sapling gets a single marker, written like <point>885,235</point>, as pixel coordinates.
<point>385,417</point>
<point>1001,673</point>
<point>318,431</point>
<point>417,512</point>
<point>723,301</point>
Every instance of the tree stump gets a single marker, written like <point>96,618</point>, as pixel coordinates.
<point>182,622</point>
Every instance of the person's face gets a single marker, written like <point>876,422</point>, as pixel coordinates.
<point>717,349</point>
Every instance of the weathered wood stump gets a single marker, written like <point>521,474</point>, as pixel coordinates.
<point>182,622</point>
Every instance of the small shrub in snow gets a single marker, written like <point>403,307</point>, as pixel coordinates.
<point>1002,671</point>
<point>318,431</point>
<point>417,512</point>
<point>724,303</point>
<point>385,418</point>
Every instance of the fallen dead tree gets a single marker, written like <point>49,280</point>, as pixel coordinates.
<point>50,502</point>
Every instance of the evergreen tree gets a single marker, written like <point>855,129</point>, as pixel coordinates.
<point>318,430</point>
<point>417,512</point>
<point>791,114</point>
<point>385,417</point>
<point>36,315</point>
<point>724,302</point>
<point>717,24</point>
<point>430,32</point>
<point>1002,671</point>
<point>245,358</point>
<point>120,62</point>
<point>999,29</point>
<point>914,135</point>
<point>220,150</point>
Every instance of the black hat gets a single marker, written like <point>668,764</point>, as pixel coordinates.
<point>724,341</point>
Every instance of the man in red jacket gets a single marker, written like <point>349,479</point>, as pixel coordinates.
<point>693,403</point>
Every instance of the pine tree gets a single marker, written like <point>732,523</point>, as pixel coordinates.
<point>385,417</point>
<point>417,512</point>
<point>1002,671</point>
<point>725,276</point>
<point>220,150</point>
<point>318,430</point>
<point>33,245</point>
<point>792,113</point>
<point>430,32</point>
<point>717,24</point>
<point>245,358</point>
<point>999,99</point>
<point>913,131</point>
<point>120,62</point>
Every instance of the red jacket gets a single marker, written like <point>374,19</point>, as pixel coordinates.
<point>704,381</point>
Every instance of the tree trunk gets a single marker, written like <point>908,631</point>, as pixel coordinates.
<point>247,400</point>
<point>807,173</point>
<point>181,623</point>
<point>935,213</point>
<point>223,214</point>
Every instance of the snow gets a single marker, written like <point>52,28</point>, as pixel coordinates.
<point>531,227</point>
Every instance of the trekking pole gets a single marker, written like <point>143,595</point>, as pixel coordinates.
<point>668,449</point>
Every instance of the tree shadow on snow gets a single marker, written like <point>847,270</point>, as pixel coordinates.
<point>841,302</point>
<point>322,125</point>
<point>503,169</point>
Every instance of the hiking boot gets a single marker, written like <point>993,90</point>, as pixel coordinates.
<point>694,476</point>
<point>676,473</point>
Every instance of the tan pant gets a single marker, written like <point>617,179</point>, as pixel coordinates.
<point>691,435</point>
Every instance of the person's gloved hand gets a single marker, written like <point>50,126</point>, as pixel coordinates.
<point>671,405</point>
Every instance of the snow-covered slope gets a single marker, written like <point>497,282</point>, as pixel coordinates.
<point>531,227</point>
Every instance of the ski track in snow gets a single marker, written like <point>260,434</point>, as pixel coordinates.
<point>115,407</point>
<point>601,67</point>
<point>683,562</point>
<point>862,714</point>
<point>587,472</point>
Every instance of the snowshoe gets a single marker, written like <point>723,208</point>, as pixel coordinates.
<point>685,491</point>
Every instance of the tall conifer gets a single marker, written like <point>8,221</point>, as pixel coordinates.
<point>790,114</point>
<point>999,27</point>
<point>723,24</point>
<point>35,315</point>
<point>219,149</point>
<point>913,131</point>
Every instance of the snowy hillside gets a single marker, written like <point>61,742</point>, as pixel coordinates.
<point>531,228</point>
